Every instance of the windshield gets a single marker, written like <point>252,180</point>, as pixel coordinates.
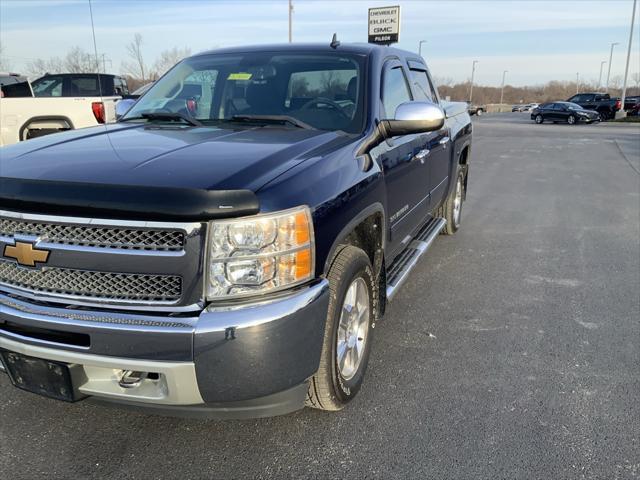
<point>322,90</point>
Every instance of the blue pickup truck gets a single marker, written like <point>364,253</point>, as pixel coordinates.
<point>228,246</point>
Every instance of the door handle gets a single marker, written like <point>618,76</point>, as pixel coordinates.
<point>422,155</point>
<point>444,141</point>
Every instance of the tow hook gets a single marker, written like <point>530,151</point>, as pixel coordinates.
<point>131,378</point>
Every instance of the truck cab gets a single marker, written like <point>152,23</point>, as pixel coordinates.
<point>228,246</point>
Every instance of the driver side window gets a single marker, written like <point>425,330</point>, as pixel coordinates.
<point>395,90</point>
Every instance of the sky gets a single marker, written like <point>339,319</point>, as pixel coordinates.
<point>536,41</point>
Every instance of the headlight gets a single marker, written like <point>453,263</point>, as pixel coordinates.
<point>260,254</point>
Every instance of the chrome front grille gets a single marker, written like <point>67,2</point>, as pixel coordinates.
<point>96,236</point>
<point>107,263</point>
<point>92,285</point>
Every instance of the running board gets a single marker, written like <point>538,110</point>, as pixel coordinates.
<point>408,259</point>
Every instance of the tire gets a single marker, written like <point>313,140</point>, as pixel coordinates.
<point>451,209</point>
<point>539,119</point>
<point>571,120</point>
<point>337,382</point>
<point>479,112</point>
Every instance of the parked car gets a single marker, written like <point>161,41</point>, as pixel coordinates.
<point>476,109</point>
<point>14,85</point>
<point>600,102</point>
<point>228,255</point>
<point>525,107</point>
<point>80,85</point>
<point>563,112</point>
<point>632,105</point>
<point>24,118</point>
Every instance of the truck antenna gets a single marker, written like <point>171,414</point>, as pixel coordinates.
<point>335,43</point>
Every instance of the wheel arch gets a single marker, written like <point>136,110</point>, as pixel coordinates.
<point>366,231</point>
<point>61,119</point>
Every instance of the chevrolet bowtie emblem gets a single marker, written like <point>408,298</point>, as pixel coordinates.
<point>25,254</point>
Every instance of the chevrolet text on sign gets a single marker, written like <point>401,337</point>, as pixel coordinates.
<point>384,25</point>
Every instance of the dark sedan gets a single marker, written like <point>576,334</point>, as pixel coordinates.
<point>571,113</point>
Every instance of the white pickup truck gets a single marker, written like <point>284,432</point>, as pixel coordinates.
<point>22,118</point>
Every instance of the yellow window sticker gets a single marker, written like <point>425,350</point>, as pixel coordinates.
<point>239,76</point>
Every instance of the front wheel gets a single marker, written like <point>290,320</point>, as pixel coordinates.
<point>539,119</point>
<point>479,112</point>
<point>451,210</point>
<point>348,331</point>
<point>571,120</point>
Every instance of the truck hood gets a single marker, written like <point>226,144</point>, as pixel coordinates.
<point>206,158</point>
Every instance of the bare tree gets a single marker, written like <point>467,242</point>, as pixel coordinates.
<point>136,66</point>
<point>79,61</point>
<point>443,81</point>
<point>168,58</point>
<point>636,79</point>
<point>39,66</point>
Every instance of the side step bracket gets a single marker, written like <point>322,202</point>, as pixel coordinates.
<point>408,259</point>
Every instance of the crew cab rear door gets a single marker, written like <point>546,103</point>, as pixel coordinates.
<point>435,143</point>
<point>402,159</point>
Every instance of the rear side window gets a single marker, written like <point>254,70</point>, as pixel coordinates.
<point>422,86</point>
<point>584,97</point>
<point>84,86</point>
<point>395,90</point>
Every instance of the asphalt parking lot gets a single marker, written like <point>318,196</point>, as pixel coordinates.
<point>512,352</point>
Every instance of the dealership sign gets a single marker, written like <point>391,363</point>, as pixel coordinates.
<point>384,25</point>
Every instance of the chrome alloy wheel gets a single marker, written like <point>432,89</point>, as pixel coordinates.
<point>353,328</point>
<point>457,203</point>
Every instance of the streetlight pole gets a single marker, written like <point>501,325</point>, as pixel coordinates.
<point>600,77</point>
<point>473,72</point>
<point>621,113</point>
<point>420,47</point>
<point>609,69</point>
<point>290,20</point>
<point>502,89</point>
<point>577,82</point>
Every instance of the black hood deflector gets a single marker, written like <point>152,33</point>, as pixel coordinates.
<point>126,202</point>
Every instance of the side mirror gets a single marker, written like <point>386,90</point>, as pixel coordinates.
<point>123,106</point>
<point>414,117</point>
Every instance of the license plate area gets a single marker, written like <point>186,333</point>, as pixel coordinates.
<point>44,377</point>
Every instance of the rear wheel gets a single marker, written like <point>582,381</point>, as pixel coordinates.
<point>451,210</point>
<point>539,119</point>
<point>571,120</point>
<point>348,331</point>
<point>479,112</point>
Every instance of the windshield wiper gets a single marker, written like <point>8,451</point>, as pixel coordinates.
<point>168,116</point>
<point>272,119</point>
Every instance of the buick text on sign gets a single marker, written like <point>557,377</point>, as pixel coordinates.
<point>384,25</point>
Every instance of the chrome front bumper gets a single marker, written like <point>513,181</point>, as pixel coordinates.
<point>224,358</point>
